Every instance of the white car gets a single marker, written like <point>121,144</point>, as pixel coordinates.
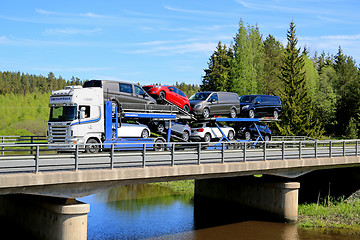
<point>133,130</point>
<point>206,131</point>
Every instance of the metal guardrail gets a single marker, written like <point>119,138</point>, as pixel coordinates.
<point>16,159</point>
<point>292,138</point>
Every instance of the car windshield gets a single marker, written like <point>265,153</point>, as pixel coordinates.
<point>246,99</point>
<point>65,113</point>
<point>200,96</point>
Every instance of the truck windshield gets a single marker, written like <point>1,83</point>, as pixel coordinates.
<point>200,96</point>
<point>65,113</point>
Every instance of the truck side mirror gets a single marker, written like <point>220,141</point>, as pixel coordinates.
<point>82,113</point>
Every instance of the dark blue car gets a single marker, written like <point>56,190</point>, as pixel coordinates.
<point>260,106</point>
<point>250,132</point>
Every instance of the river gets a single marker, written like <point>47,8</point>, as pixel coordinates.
<point>155,212</point>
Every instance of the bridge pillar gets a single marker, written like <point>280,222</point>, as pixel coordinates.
<point>46,217</point>
<point>278,200</point>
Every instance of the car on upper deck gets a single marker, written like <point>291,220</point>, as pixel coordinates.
<point>170,93</point>
<point>260,106</point>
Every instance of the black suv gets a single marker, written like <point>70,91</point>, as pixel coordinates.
<point>248,131</point>
<point>260,106</point>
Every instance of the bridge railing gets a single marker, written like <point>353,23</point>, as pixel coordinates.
<point>41,158</point>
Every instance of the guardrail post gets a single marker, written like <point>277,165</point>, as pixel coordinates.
<point>245,146</point>
<point>143,155</point>
<point>330,148</point>
<point>344,148</point>
<point>315,148</point>
<point>283,150</point>
<point>172,154</point>
<point>264,151</point>
<point>222,152</point>
<point>356,145</point>
<point>37,158</point>
<point>3,149</point>
<point>199,153</point>
<point>300,149</point>
<point>112,156</point>
<point>76,157</point>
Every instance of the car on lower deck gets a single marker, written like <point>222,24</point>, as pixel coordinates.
<point>207,131</point>
<point>179,128</point>
<point>135,129</point>
<point>248,131</point>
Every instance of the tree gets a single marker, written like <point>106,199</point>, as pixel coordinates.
<point>298,116</point>
<point>217,76</point>
<point>248,63</point>
<point>274,51</point>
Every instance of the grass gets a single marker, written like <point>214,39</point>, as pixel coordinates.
<point>180,187</point>
<point>334,214</point>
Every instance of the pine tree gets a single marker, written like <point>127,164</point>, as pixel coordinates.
<point>217,75</point>
<point>298,116</point>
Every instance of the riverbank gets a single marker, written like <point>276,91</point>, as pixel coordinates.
<point>328,214</point>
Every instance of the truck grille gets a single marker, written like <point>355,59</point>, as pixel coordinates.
<point>58,133</point>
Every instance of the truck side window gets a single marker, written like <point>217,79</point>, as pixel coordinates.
<point>87,110</point>
<point>127,88</point>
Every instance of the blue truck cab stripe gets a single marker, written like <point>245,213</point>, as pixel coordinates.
<point>88,121</point>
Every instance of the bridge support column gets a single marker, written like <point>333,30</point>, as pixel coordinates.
<point>279,199</point>
<point>46,217</point>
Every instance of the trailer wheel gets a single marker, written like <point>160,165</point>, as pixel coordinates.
<point>159,145</point>
<point>266,138</point>
<point>92,146</point>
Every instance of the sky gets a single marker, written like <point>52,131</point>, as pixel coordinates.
<point>158,41</point>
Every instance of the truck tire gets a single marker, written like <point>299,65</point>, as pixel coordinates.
<point>159,145</point>
<point>92,146</point>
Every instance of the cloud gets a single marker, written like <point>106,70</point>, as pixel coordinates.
<point>206,48</point>
<point>72,31</point>
<point>51,13</point>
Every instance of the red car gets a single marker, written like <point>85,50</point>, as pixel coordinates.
<point>170,93</point>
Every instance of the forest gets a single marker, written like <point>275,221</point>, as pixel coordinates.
<point>320,93</point>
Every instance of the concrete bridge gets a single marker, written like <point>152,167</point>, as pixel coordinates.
<point>220,171</point>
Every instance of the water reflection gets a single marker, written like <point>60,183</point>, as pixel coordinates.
<point>155,212</point>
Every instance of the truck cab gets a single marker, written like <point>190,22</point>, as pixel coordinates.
<point>76,117</point>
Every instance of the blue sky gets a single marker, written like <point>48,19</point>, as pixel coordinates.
<point>158,41</point>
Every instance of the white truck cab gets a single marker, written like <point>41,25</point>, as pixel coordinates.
<point>76,117</point>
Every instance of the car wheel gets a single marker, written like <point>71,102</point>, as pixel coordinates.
<point>162,95</point>
<point>231,135</point>
<point>233,113</point>
<point>186,108</point>
<point>92,146</point>
<point>267,138</point>
<point>159,145</point>
<point>185,136</point>
<point>207,137</point>
<point>145,133</point>
<point>247,135</point>
<point>206,113</point>
<point>276,114</point>
<point>251,113</point>
<point>160,127</point>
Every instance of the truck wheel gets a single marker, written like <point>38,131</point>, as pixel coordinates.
<point>233,113</point>
<point>159,145</point>
<point>92,146</point>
